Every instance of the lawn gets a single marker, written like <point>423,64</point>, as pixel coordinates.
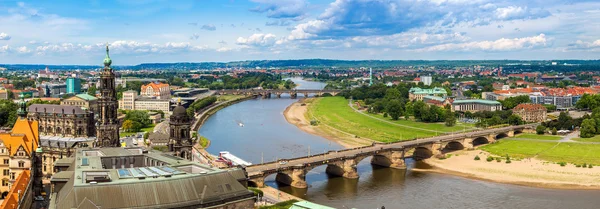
<point>431,126</point>
<point>535,136</point>
<point>335,112</point>
<point>548,151</point>
<point>147,129</point>
<point>518,149</point>
<point>228,97</point>
<point>593,139</point>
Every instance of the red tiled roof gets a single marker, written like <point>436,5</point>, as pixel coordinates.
<point>529,107</point>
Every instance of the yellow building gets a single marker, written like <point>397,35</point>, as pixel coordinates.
<point>16,148</point>
<point>82,100</point>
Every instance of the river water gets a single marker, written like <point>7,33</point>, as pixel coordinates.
<point>266,136</point>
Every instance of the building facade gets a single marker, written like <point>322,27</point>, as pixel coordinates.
<point>475,105</point>
<point>55,90</point>
<point>157,90</point>
<point>427,80</point>
<point>63,120</point>
<point>85,101</point>
<point>107,131</point>
<point>531,112</point>
<point>417,93</point>
<point>73,85</point>
<point>131,101</point>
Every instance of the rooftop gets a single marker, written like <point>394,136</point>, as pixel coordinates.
<point>479,101</point>
<point>436,90</point>
<point>86,97</point>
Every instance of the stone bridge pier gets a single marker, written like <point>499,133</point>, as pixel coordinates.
<point>278,94</point>
<point>305,95</point>
<point>389,158</point>
<point>293,95</point>
<point>266,95</point>
<point>295,177</point>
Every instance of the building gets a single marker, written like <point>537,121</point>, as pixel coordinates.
<point>531,112</point>
<point>47,74</point>
<point>107,131</point>
<point>157,90</point>
<point>63,120</point>
<point>437,101</point>
<point>426,79</point>
<point>417,93</point>
<point>85,101</point>
<point>19,196</point>
<point>475,105</point>
<point>17,148</point>
<point>131,101</point>
<point>180,139</point>
<point>4,94</point>
<point>138,178</point>
<point>73,85</point>
<point>55,90</point>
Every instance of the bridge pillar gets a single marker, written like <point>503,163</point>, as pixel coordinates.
<point>468,143</point>
<point>260,182</point>
<point>295,177</point>
<point>278,94</point>
<point>305,95</point>
<point>436,149</point>
<point>392,159</point>
<point>349,168</point>
<point>293,95</point>
<point>491,138</point>
<point>510,133</point>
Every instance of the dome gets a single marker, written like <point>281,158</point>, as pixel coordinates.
<point>179,111</point>
<point>107,60</point>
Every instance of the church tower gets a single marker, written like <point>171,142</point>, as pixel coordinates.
<point>180,141</point>
<point>107,130</point>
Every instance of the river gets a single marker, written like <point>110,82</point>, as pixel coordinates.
<point>266,135</point>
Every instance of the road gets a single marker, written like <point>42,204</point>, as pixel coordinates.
<point>320,158</point>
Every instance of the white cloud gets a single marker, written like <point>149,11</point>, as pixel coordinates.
<point>23,50</point>
<point>223,49</point>
<point>259,40</point>
<point>209,27</point>
<point>4,49</point>
<point>4,37</point>
<point>502,44</point>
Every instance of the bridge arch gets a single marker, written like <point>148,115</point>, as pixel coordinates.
<point>480,141</point>
<point>453,146</point>
<point>422,153</point>
<point>501,136</point>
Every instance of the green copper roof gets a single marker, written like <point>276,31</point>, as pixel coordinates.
<point>107,60</point>
<point>436,90</point>
<point>479,101</point>
<point>86,97</point>
<point>22,111</point>
<point>308,205</point>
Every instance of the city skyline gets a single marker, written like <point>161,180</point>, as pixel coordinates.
<point>148,31</point>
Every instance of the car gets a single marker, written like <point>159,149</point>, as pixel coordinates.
<point>282,162</point>
<point>38,198</point>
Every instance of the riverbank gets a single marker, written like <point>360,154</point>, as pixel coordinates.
<point>526,172</point>
<point>297,114</point>
<point>204,115</point>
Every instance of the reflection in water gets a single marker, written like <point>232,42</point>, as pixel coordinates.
<point>267,132</point>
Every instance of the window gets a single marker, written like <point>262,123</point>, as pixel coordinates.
<point>5,172</point>
<point>6,161</point>
<point>21,164</point>
<point>12,176</point>
<point>4,182</point>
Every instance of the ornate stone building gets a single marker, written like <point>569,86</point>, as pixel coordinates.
<point>180,141</point>
<point>107,124</point>
<point>63,120</point>
<point>531,112</point>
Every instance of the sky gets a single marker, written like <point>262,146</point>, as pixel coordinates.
<point>159,31</point>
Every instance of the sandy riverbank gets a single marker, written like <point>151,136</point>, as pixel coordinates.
<point>296,115</point>
<point>526,172</point>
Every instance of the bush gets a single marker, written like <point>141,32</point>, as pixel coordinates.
<point>563,164</point>
<point>508,161</point>
<point>477,157</point>
<point>584,165</point>
<point>578,166</point>
<point>590,166</point>
<point>540,129</point>
<point>490,159</point>
<point>498,159</point>
<point>385,115</point>
<point>554,131</point>
<point>507,157</point>
<point>256,191</point>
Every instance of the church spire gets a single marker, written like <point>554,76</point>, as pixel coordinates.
<point>107,60</point>
<point>22,111</point>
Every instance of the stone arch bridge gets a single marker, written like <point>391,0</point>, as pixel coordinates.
<point>266,93</point>
<point>343,162</point>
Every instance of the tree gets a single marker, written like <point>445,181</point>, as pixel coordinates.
<point>127,125</point>
<point>450,118</point>
<point>512,102</point>
<point>91,91</point>
<point>8,112</point>
<point>588,128</point>
<point>540,129</point>
<point>515,120</point>
<point>394,109</point>
<point>554,131</point>
<point>139,118</point>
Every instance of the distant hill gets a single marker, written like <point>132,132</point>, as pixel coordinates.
<point>310,63</point>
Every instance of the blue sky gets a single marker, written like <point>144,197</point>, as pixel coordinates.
<point>142,31</point>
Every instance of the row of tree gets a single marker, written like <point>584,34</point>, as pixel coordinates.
<point>590,126</point>
<point>200,104</point>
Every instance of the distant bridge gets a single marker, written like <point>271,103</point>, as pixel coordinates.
<point>266,93</point>
<point>343,162</point>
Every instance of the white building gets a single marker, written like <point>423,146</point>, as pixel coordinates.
<point>131,101</point>
<point>426,80</point>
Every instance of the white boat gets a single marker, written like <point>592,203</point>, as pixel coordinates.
<point>234,159</point>
<point>241,124</point>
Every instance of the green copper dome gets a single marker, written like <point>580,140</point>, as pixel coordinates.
<point>107,60</point>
